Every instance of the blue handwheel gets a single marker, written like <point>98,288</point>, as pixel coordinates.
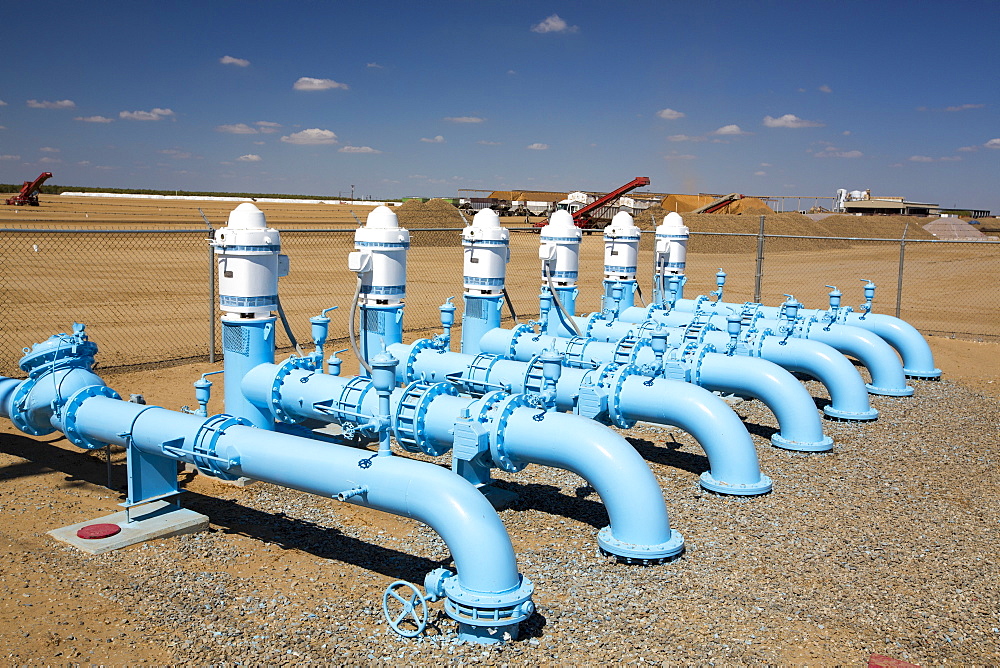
<point>412,609</point>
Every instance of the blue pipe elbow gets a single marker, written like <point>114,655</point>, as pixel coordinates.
<point>887,377</point>
<point>732,457</point>
<point>639,529</point>
<point>798,422</point>
<point>918,360</point>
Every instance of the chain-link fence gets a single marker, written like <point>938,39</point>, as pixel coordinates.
<point>147,295</point>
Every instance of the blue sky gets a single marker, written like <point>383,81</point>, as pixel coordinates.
<point>762,98</point>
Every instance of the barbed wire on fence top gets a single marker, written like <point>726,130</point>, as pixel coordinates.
<point>144,293</point>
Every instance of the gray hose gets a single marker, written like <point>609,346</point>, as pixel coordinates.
<point>352,338</point>
<point>567,320</point>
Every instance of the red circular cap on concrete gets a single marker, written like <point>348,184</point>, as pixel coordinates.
<point>92,531</point>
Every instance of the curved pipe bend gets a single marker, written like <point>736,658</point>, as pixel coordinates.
<point>639,527</point>
<point>798,422</point>
<point>868,348</point>
<point>731,454</point>
<point>918,360</point>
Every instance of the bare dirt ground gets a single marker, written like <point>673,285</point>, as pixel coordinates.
<point>885,546</point>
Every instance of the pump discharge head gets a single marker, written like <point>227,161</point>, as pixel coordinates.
<point>379,258</point>
<point>621,248</point>
<point>486,249</point>
<point>250,262</point>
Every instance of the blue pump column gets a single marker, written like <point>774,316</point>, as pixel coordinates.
<point>486,252</point>
<point>249,261</point>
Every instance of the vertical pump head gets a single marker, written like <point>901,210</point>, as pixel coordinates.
<point>671,244</point>
<point>250,262</point>
<point>621,248</point>
<point>486,249</point>
<point>560,249</point>
<point>380,258</point>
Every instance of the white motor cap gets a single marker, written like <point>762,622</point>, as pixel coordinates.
<point>672,224</point>
<point>622,225</point>
<point>486,218</point>
<point>382,217</point>
<point>246,216</point>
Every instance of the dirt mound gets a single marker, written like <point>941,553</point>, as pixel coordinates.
<point>418,216</point>
<point>874,227</point>
<point>432,213</point>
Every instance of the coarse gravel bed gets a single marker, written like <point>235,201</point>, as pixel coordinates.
<point>883,546</point>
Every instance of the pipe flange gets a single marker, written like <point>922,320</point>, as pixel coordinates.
<point>346,408</point>
<point>70,427</point>
<point>825,444</point>
<point>488,609</point>
<point>574,352</point>
<point>478,372</point>
<point>520,330</point>
<point>850,416</point>
<point>19,416</point>
<point>614,386</point>
<point>634,553</point>
<point>498,418</point>
<point>409,374</point>
<point>534,380</point>
<point>284,370</point>
<point>408,425</point>
<point>762,486</point>
<point>693,355</point>
<point>203,445</point>
<point>623,349</point>
<point>637,348</point>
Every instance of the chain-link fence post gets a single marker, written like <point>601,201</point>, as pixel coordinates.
<point>211,295</point>
<point>899,278</point>
<point>759,275</point>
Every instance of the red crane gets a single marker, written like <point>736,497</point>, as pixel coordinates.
<point>581,217</point>
<point>29,191</point>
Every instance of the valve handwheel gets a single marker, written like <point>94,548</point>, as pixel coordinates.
<point>412,608</point>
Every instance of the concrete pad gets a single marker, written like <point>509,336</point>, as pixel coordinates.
<point>160,519</point>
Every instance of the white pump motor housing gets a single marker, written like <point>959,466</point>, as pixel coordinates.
<point>380,258</point>
<point>560,249</point>
<point>486,249</point>
<point>621,248</point>
<point>249,262</point>
<point>671,244</point>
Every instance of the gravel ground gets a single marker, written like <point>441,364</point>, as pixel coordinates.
<point>885,545</point>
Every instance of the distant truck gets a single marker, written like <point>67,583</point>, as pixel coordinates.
<point>29,191</point>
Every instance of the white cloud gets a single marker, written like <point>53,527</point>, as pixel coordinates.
<point>45,104</point>
<point>433,140</point>
<point>964,107</point>
<point>10,157</point>
<point>175,153</point>
<point>236,129</point>
<point>967,149</point>
<point>685,138</point>
<point>790,121</point>
<point>359,149</point>
<point>312,136</point>
<point>760,173</point>
<point>239,62</point>
<point>993,143</point>
<point>553,24</point>
<point>832,152</point>
<point>2,103</point>
<point>375,66</point>
<point>488,143</point>
<point>48,149</point>
<point>670,114</point>
<point>537,146</point>
<point>50,161</point>
<point>846,133</point>
<point>825,89</point>
<point>249,157</point>
<point>951,158</point>
<point>464,119</point>
<point>921,158</point>
<point>94,119</point>
<point>680,156</point>
<point>3,127</point>
<point>730,130</point>
<point>766,164</point>
<point>156,114</point>
<point>309,83</point>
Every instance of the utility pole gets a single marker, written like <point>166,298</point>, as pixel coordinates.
<point>352,192</point>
